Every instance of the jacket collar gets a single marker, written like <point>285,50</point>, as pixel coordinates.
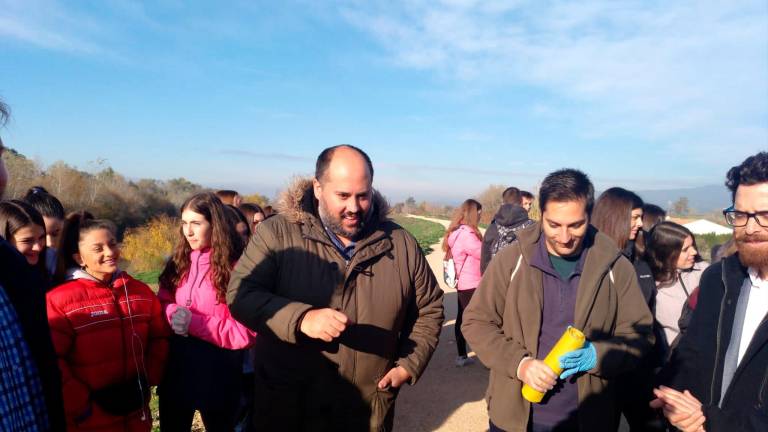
<point>299,206</point>
<point>601,254</point>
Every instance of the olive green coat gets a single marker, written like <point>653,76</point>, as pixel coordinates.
<point>291,266</point>
<point>503,320</point>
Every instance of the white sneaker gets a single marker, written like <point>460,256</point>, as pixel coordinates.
<point>462,361</point>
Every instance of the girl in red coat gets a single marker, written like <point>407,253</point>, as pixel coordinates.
<point>108,331</point>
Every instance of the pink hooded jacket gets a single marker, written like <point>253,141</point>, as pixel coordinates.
<point>211,320</point>
<point>465,248</point>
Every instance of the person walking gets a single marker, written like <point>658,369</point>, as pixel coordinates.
<point>207,347</point>
<point>717,378</point>
<point>108,331</point>
<point>464,241</point>
<point>346,307</point>
<point>560,272</point>
<point>510,218</point>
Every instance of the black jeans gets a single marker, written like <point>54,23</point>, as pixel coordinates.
<point>463,296</point>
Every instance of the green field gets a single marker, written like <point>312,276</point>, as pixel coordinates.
<point>427,233</point>
<point>149,277</point>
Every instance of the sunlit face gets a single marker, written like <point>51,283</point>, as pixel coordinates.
<point>752,239</point>
<point>197,230</point>
<point>53,227</point>
<point>30,241</point>
<point>565,224</point>
<point>527,203</point>
<point>98,253</point>
<point>345,194</point>
<point>636,222</point>
<point>688,254</point>
<point>258,218</point>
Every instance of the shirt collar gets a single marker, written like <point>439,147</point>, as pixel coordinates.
<point>345,251</point>
<point>757,282</point>
<point>540,258</point>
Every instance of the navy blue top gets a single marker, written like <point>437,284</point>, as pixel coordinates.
<point>561,403</point>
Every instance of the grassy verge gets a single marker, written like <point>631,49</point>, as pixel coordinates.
<point>427,233</point>
<point>149,277</point>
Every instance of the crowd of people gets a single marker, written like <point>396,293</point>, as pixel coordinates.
<point>311,317</point>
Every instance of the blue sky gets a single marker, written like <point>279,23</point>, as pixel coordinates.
<point>447,96</point>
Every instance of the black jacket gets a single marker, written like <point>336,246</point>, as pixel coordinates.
<point>26,290</point>
<point>697,363</point>
<point>509,215</point>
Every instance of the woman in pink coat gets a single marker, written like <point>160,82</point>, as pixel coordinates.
<point>464,240</point>
<point>206,352</point>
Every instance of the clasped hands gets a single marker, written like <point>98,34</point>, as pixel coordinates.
<point>682,409</point>
<point>328,324</point>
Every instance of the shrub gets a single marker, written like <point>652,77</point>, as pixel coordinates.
<point>147,247</point>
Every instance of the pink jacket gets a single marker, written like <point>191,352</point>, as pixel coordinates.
<point>211,320</point>
<point>465,248</point>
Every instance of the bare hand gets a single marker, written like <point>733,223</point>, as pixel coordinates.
<point>325,324</point>
<point>682,409</point>
<point>538,375</point>
<point>394,378</point>
<point>180,321</point>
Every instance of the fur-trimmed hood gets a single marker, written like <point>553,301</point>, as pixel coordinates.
<point>298,203</point>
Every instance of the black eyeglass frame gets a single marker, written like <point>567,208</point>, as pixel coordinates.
<point>732,211</point>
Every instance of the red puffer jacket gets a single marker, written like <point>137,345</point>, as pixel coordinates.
<point>106,335</point>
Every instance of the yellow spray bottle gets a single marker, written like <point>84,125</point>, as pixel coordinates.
<point>571,340</point>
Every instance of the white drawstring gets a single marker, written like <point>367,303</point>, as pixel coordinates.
<point>134,335</point>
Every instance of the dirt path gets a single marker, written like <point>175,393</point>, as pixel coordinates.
<point>446,398</point>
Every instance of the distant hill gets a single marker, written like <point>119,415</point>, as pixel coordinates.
<point>701,199</point>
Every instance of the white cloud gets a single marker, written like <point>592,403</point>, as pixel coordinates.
<point>669,72</point>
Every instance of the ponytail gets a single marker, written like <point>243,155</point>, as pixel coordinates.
<point>67,247</point>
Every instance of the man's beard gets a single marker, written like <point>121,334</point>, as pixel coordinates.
<point>753,250</point>
<point>334,223</point>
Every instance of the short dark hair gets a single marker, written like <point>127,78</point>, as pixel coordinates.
<point>567,185</point>
<point>526,194</point>
<point>227,196</point>
<point>324,159</point>
<point>752,171</point>
<point>47,204</point>
<point>511,195</point>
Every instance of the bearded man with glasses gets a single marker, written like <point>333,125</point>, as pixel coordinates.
<point>718,377</point>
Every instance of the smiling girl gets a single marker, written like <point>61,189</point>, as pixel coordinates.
<point>207,349</point>
<point>677,267</point>
<point>108,331</point>
<point>23,227</point>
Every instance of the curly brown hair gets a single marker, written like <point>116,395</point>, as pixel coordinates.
<point>226,245</point>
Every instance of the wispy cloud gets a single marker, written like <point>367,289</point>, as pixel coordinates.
<point>46,25</point>
<point>673,72</point>
<point>263,155</point>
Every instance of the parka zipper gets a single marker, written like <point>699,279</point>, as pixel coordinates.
<point>196,282</point>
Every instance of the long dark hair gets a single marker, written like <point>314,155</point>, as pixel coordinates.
<point>47,204</point>
<point>612,214</point>
<point>15,215</point>
<point>652,215</point>
<point>665,241</point>
<point>76,225</point>
<point>226,245</point>
<point>466,214</point>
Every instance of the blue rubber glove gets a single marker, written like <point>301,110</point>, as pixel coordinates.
<point>577,361</point>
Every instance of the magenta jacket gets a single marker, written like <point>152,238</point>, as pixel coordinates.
<point>211,320</point>
<point>465,248</point>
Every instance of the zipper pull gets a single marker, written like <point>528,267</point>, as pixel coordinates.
<point>189,302</point>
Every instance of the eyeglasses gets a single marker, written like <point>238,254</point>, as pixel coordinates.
<point>738,218</point>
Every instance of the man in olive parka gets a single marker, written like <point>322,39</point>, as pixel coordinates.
<point>345,304</point>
